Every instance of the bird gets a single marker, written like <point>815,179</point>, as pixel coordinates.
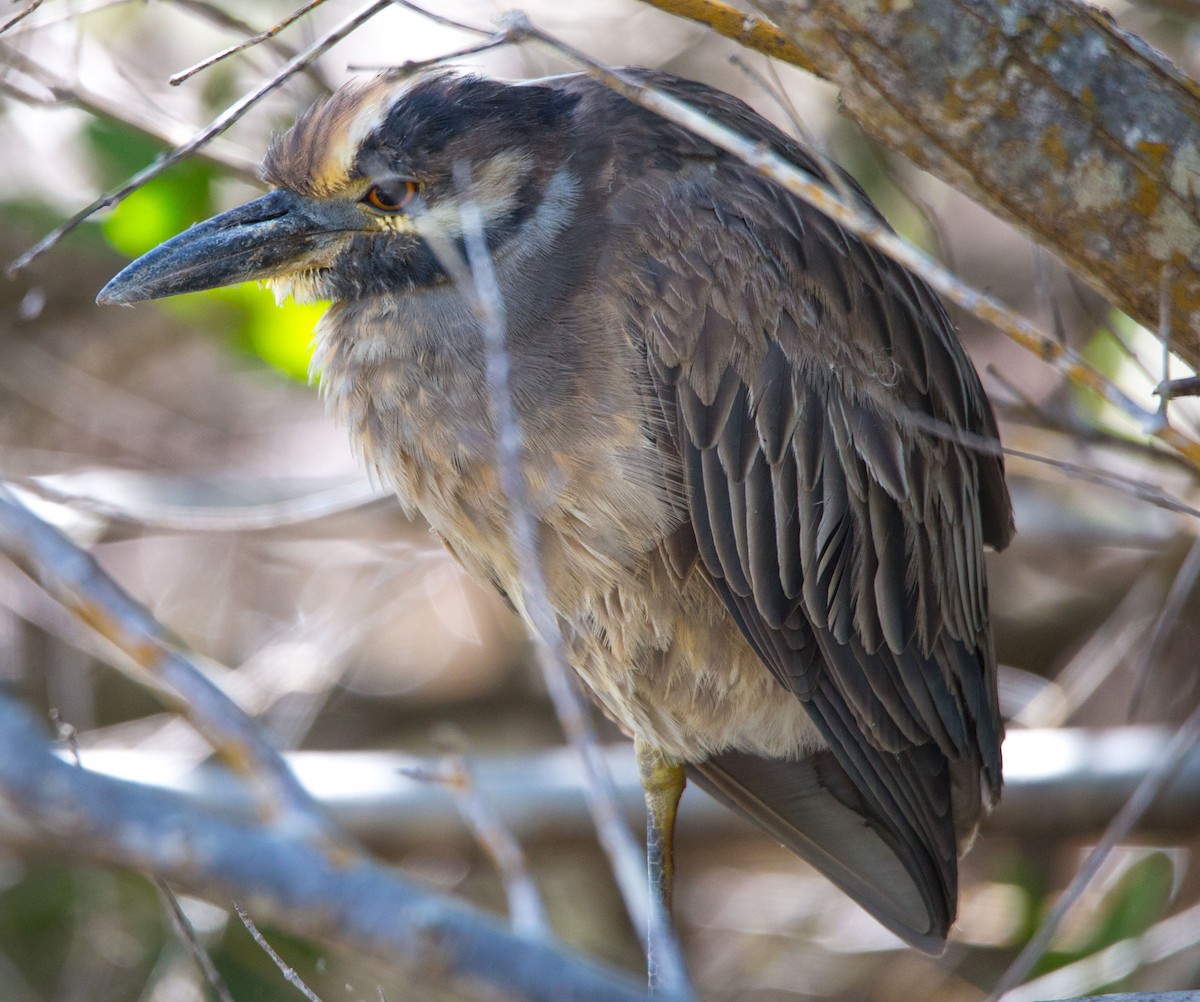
<point>751,442</point>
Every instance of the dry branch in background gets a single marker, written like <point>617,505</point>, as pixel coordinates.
<point>77,580</point>
<point>305,884</point>
<point>525,908</point>
<point>1062,784</point>
<point>62,91</point>
<point>1118,831</point>
<point>352,903</point>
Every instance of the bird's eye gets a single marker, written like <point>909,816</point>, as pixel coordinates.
<point>394,196</point>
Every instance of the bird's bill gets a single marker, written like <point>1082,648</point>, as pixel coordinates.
<point>279,233</point>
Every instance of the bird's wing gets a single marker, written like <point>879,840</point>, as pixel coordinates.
<point>826,421</point>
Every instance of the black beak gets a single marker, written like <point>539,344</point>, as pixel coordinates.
<point>274,234</point>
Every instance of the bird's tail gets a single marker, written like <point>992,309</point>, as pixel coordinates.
<point>814,809</point>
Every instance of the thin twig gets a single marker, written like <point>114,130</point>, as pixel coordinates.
<point>920,204</point>
<point>78,582</point>
<point>525,908</point>
<point>215,14</point>
<point>1117,831</point>
<point>442,19</point>
<point>832,172</point>
<point>1181,590</point>
<point>247,43</point>
<point>483,293</point>
<point>1026,411</point>
<point>1188,386</point>
<point>872,230</point>
<point>1026,403</point>
<point>1131,486</point>
<point>416,65</point>
<point>285,969</point>
<point>18,18</point>
<point>218,16</point>
<point>989,446</point>
<point>191,941</point>
<point>218,125</point>
<point>263,517</point>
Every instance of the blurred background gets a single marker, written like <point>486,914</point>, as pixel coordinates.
<point>182,443</point>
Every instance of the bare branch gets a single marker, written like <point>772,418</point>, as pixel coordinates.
<point>347,901</point>
<point>19,17</point>
<point>1131,486</point>
<point>191,941</point>
<point>416,65</point>
<point>264,517</point>
<point>525,907</point>
<point>752,32</point>
<point>76,579</point>
<point>1186,387</point>
<point>1060,784</point>
<point>288,972</point>
<point>442,19</point>
<point>836,178</point>
<point>247,43</point>
<point>1168,617</point>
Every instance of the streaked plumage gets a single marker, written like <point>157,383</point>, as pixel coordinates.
<point>766,565</point>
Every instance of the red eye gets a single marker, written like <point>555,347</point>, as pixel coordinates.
<point>394,196</point>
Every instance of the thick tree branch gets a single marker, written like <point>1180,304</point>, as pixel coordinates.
<point>1041,110</point>
<point>350,902</point>
<point>1060,784</point>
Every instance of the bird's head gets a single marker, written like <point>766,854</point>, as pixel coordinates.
<point>365,184</point>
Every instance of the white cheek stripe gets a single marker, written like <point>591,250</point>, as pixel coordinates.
<point>494,192</point>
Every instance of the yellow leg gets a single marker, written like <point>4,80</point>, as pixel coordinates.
<point>662,783</point>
